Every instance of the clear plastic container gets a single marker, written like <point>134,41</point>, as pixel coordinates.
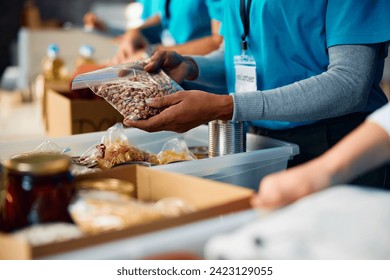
<point>263,155</point>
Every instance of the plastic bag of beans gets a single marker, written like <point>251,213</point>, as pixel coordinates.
<point>126,86</point>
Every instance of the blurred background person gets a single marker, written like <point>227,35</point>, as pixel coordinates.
<point>188,27</point>
<point>320,219</point>
<point>134,14</point>
<point>365,148</point>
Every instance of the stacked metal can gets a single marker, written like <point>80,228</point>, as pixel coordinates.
<point>226,137</point>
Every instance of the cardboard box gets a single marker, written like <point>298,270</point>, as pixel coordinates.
<point>67,116</point>
<point>41,87</point>
<point>209,198</point>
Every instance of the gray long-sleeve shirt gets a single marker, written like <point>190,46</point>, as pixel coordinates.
<point>342,89</point>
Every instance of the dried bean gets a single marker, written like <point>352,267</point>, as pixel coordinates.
<point>128,94</point>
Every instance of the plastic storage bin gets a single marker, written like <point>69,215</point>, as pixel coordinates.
<point>264,155</point>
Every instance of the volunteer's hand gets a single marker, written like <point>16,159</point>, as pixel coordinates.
<point>91,21</point>
<point>178,67</point>
<point>132,44</point>
<point>185,110</point>
<point>282,188</point>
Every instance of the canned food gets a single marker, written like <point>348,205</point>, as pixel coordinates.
<point>226,137</point>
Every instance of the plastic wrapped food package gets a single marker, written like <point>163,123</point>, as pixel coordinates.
<point>115,149</point>
<point>127,86</point>
<point>175,150</point>
<point>96,211</point>
<point>42,234</point>
<point>106,204</point>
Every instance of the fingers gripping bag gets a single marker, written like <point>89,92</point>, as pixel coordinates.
<point>127,86</point>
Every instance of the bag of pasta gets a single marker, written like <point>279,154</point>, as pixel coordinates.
<point>175,150</point>
<point>115,149</point>
<point>127,86</point>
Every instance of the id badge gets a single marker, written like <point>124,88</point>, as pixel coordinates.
<point>245,66</point>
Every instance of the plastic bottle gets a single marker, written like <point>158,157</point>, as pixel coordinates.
<point>85,56</point>
<point>53,65</point>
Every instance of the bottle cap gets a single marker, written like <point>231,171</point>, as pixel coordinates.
<point>86,51</point>
<point>53,50</point>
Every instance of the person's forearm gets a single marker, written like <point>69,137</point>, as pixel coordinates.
<point>365,148</point>
<point>211,74</point>
<point>342,89</point>
<point>200,46</point>
<point>151,21</point>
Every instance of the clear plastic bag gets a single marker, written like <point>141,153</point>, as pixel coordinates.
<point>96,211</point>
<point>115,149</point>
<point>48,146</point>
<point>126,86</point>
<point>175,150</point>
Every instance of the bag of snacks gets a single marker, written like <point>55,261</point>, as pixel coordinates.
<point>96,211</point>
<point>115,149</point>
<point>126,86</point>
<point>175,150</point>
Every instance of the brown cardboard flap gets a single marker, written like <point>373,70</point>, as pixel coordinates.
<point>200,192</point>
<point>209,199</point>
<point>66,115</point>
<point>62,247</point>
<point>13,248</point>
<point>152,185</point>
<point>58,109</point>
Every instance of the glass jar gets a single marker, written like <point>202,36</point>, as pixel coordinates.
<point>37,188</point>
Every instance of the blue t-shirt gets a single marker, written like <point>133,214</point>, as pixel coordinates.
<point>289,40</point>
<point>190,20</point>
<point>150,8</point>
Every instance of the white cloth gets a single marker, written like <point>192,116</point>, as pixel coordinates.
<point>382,117</point>
<point>343,222</point>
